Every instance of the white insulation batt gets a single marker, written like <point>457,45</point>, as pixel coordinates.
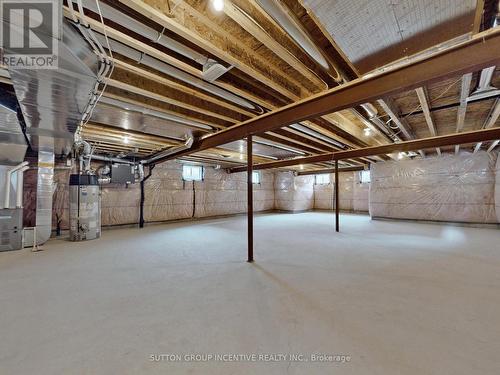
<point>455,188</point>
<point>497,189</point>
<point>293,193</point>
<point>168,197</point>
<point>353,195</point>
<point>120,204</point>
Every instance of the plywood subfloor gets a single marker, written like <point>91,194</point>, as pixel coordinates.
<point>398,298</point>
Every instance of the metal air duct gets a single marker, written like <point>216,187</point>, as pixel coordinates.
<point>53,102</point>
<point>13,144</point>
<point>281,15</point>
<point>211,68</point>
<point>172,71</point>
<point>151,112</point>
<point>484,87</point>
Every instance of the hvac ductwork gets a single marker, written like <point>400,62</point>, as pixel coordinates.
<point>484,87</point>
<point>171,71</point>
<point>211,68</point>
<point>13,144</point>
<point>150,112</point>
<point>313,133</point>
<point>287,22</point>
<point>137,27</point>
<point>187,145</point>
<point>53,102</point>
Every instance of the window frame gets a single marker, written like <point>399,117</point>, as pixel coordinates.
<point>323,175</point>
<point>362,180</point>
<point>191,178</point>
<point>256,173</point>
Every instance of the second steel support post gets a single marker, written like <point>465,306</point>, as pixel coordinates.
<point>250,198</point>
<point>337,225</point>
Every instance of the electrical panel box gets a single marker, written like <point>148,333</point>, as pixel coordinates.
<point>122,174</point>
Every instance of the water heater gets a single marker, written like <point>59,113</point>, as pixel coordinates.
<point>84,207</point>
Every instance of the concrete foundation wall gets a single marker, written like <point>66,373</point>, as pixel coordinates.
<point>455,188</point>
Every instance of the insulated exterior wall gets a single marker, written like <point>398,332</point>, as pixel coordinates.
<point>353,195</point>
<point>222,193</point>
<point>497,189</point>
<point>168,196</point>
<point>360,194</point>
<point>60,202</point>
<point>293,193</point>
<point>120,204</point>
<point>455,188</point>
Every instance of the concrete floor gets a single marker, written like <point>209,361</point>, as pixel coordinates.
<point>398,298</point>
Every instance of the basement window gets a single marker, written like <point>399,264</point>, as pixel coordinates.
<point>192,172</point>
<point>255,177</point>
<point>364,177</point>
<point>322,179</point>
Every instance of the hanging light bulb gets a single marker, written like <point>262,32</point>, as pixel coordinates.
<point>367,132</point>
<point>218,5</point>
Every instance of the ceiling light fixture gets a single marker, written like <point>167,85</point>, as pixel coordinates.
<point>401,155</point>
<point>218,5</point>
<point>367,132</point>
<point>126,140</point>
